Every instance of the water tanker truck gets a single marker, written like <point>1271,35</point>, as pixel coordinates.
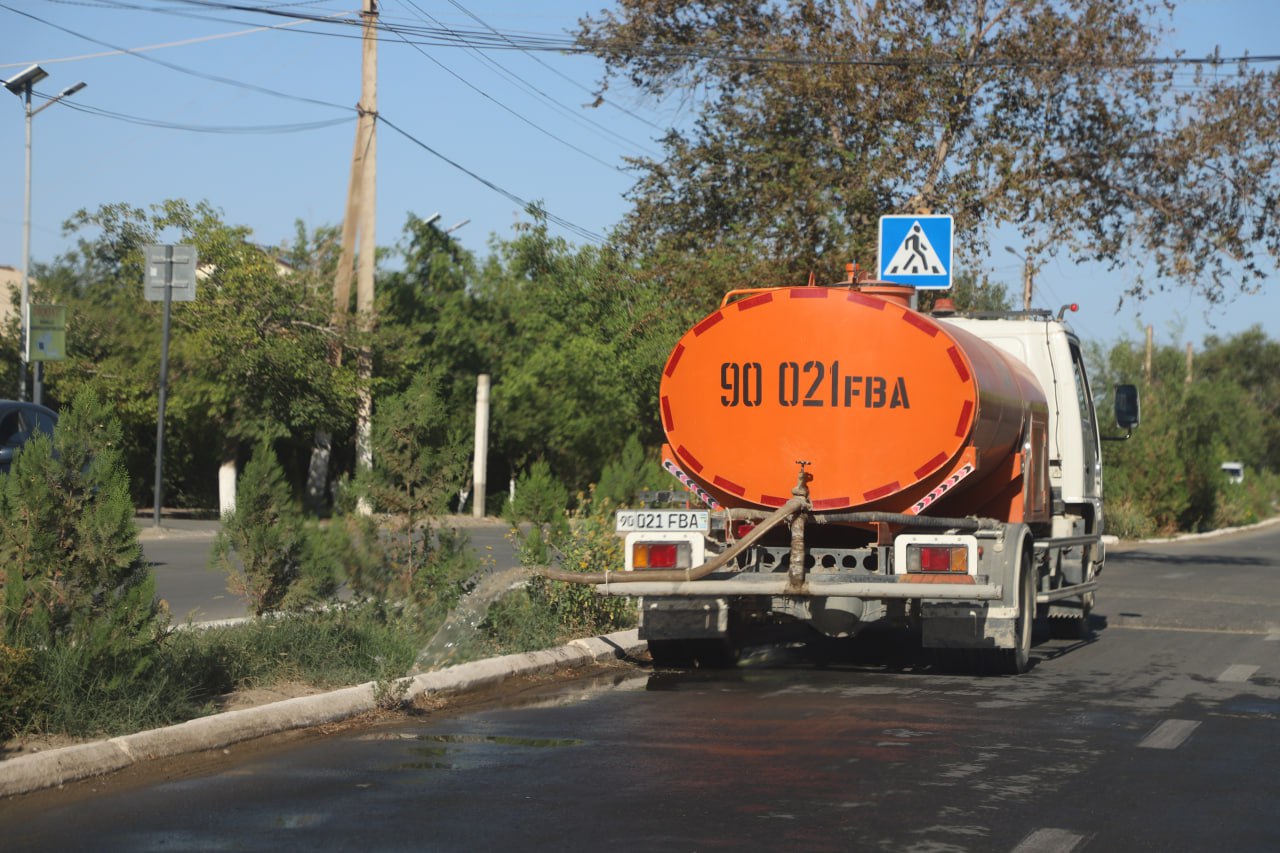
<point>865,465</point>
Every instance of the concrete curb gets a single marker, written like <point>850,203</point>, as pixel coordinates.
<point>56,767</point>
<point>1209,534</point>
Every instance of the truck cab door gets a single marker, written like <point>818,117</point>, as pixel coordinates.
<point>1091,457</point>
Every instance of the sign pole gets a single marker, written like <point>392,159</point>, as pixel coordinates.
<point>164,379</point>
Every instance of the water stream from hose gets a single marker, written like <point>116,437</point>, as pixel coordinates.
<point>458,632</point>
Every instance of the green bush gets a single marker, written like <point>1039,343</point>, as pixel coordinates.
<point>272,556</point>
<point>1249,502</point>
<point>545,612</point>
<point>540,498</point>
<point>19,688</point>
<point>74,584</point>
<point>625,477</point>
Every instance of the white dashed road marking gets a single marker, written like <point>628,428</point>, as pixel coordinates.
<point>1238,673</point>
<point>1170,734</point>
<point>1049,841</point>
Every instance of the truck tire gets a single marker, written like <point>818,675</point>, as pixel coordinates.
<point>1017,660</point>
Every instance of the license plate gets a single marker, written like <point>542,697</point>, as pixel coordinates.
<point>663,520</point>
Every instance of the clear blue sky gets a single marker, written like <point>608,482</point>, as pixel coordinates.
<point>513,119</point>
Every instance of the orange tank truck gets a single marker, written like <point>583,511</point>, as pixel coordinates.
<point>866,466</point>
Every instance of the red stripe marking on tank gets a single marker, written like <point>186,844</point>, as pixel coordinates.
<point>674,360</point>
<point>753,301</point>
<point>666,415</point>
<point>962,427</point>
<point>931,465</point>
<point>831,503</point>
<point>730,486</point>
<point>921,323</point>
<point>958,361</point>
<point>887,489</point>
<point>772,500</point>
<point>867,301</point>
<point>809,293</point>
<point>708,323</point>
<point>683,453</point>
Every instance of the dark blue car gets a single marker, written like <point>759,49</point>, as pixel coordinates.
<point>18,422</point>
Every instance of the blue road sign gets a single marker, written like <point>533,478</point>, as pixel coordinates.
<point>916,250</point>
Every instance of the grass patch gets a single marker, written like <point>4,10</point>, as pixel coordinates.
<point>193,669</point>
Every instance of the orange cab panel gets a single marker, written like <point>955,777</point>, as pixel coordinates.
<point>877,398</point>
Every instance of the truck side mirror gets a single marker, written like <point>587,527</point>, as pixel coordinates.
<point>1128,409</point>
<point>1128,412</point>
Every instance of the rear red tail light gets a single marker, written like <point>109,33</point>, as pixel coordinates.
<point>660,555</point>
<point>743,528</point>
<point>938,558</point>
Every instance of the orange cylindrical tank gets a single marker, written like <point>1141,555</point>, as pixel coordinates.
<point>879,400</point>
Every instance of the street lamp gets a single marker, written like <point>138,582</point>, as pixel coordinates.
<point>21,85</point>
<point>1026,278</point>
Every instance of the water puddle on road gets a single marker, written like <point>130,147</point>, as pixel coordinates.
<point>450,752</point>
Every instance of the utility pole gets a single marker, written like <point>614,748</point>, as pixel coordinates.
<point>1151,346</point>
<point>359,220</point>
<point>368,244</point>
<point>1026,277</point>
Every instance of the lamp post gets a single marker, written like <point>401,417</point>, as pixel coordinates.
<point>1026,278</point>
<point>21,85</point>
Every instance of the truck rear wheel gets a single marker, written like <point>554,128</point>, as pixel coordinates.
<point>1017,660</point>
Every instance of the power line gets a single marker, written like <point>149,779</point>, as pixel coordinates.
<point>161,46</point>
<point>297,127</point>
<point>552,68</point>
<point>216,78</point>
<point>511,111</point>
<point>528,86</point>
<point>578,230</point>
<point>494,40</point>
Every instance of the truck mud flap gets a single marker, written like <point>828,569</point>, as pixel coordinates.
<point>683,619</point>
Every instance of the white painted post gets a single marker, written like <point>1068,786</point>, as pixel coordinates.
<point>227,486</point>
<point>481,462</point>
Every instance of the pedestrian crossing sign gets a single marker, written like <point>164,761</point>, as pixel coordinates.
<point>916,250</point>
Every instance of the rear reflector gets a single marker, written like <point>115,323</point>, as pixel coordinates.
<point>660,555</point>
<point>938,558</point>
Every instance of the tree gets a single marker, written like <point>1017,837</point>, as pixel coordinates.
<point>1168,476</point>
<point>575,342</point>
<point>72,574</point>
<point>1251,361</point>
<point>248,358</point>
<point>815,117</point>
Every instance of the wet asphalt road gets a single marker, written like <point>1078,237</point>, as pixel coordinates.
<point>1160,732</point>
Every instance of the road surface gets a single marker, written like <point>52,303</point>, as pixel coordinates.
<point>1159,732</point>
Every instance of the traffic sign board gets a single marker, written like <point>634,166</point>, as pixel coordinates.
<point>47,335</point>
<point>916,250</point>
<point>172,265</point>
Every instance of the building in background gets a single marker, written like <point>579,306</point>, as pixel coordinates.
<point>10,292</point>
